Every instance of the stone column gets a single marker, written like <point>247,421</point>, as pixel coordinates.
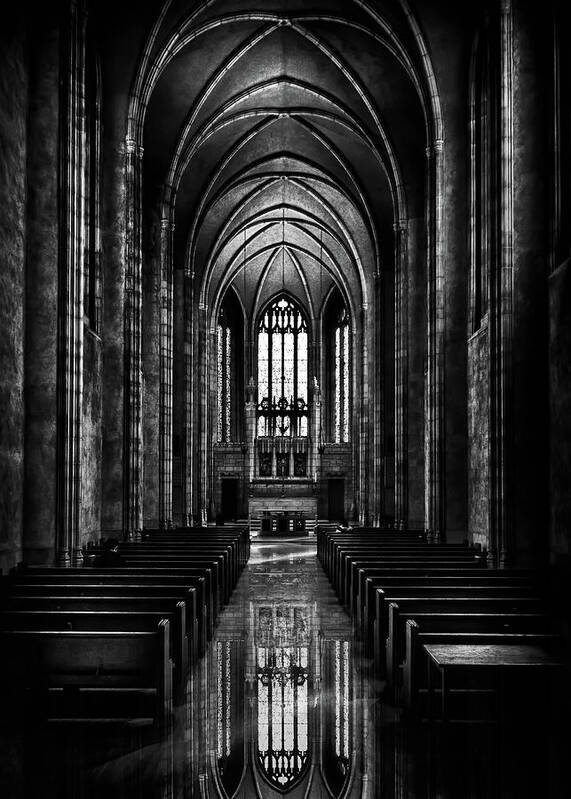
<point>401,371</point>
<point>133,450</point>
<point>151,366</point>
<point>377,482</point>
<point>434,515</point>
<point>501,310</point>
<point>202,392</point>
<point>71,292</point>
<point>166,376</point>
<point>363,467</point>
<point>113,241</point>
<point>189,399</point>
<point>41,316</point>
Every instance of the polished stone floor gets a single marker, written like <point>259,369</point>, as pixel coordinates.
<point>286,705</point>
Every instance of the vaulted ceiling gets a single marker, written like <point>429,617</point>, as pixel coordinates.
<point>286,137</point>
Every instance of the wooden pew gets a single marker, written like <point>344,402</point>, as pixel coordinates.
<point>324,536</point>
<point>406,576</point>
<point>466,629</point>
<point>224,577</point>
<point>435,600</point>
<point>112,664</point>
<point>381,554</point>
<point>191,587</point>
<point>97,619</point>
<point>348,578</point>
<point>168,576</point>
<point>513,619</point>
<point>371,579</point>
<point>479,667</point>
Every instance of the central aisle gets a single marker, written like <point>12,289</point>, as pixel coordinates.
<point>288,704</point>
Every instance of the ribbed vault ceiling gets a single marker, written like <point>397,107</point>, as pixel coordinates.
<point>283,136</point>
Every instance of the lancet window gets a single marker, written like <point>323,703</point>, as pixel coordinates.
<point>229,370</point>
<point>224,370</point>
<point>282,371</point>
<point>341,378</point>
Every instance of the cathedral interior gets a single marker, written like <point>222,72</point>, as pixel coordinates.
<point>285,297</point>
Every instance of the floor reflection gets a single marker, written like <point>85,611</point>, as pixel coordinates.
<point>285,692</point>
<point>290,708</point>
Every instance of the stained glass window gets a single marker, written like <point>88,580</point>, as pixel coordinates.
<point>224,378</point>
<point>342,378</point>
<point>282,370</point>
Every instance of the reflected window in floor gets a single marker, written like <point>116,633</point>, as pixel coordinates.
<point>283,740</point>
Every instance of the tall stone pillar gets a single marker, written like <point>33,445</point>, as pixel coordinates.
<point>166,376</point>
<point>378,387</point>
<point>434,499</point>
<point>203,393</point>
<point>133,434</point>
<point>189,344</point>
<point>363,460</point>
<point>41,316</point>
<point>501,311</point>
<point>401,371</point>
<point>71,291</point>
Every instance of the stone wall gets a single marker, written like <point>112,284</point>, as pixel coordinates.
<point>415,385</point>
<point>336,462</point>
<point>228,462</point>
<point>478,437</point>
<point>560,412</point>
<point>90,508</point>
<point>42,256</point>
<point>13,114</point>
<point>559,438</point>
<point>529,467</point>
<point>113,234</point>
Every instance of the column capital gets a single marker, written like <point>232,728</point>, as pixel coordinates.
<point>434,148</point>
<point>132,147</point>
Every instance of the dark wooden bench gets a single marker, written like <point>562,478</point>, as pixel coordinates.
<point>379,553</point>
<point>190,585</point>
<point>414,558</point>
<point>97,619</point>
<point>344,554</point>
<point>385,640</point>
<point>98,679</point>
<point>368,580</point>
<point>467,629</point>
<point>475,668</point>
<point>514,619</point>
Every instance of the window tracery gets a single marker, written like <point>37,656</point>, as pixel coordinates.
<point>342,378</point>
<point>282,372</point>
<point>224,377</point>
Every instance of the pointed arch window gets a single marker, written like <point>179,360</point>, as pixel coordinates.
<point>224,368</point>
<point>282,370</point>
<point>341,377</point>
<point>229,370</point>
